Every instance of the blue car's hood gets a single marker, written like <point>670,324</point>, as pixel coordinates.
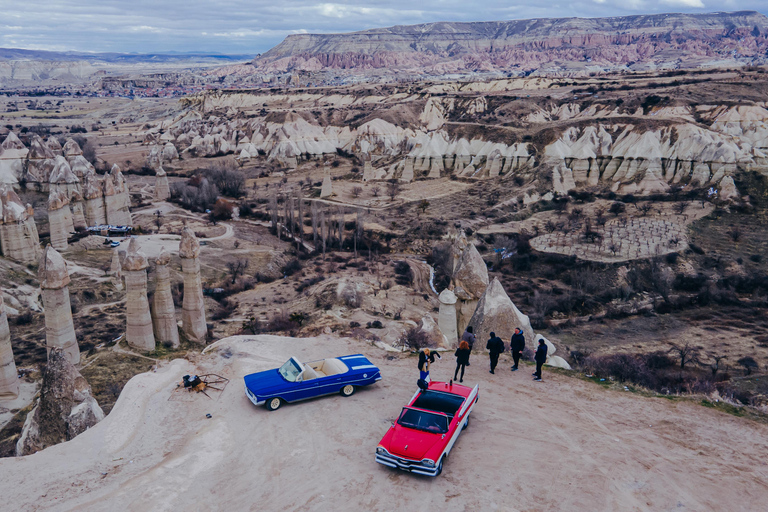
<point>264,381</point>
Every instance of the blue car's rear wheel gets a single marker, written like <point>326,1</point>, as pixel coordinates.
<point>273,403</point>
<point>348,390</point>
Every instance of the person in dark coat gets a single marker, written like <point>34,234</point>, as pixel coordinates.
<point>469,337</point>
<point>462,359</point>
<point>495,346</point>
<point>541,358</point>
<point>517,345</point>
<point>426,357</point>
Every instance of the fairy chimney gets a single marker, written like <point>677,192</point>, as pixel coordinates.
<point>59,328</point>
<point>138,330</point>
<point>193,307</point>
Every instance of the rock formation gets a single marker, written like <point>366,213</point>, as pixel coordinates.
<point>95,213</point>
<point>163,311</point>
<point>71,149</point>
<point>470,279</point>
<point>138,330</point>
<point>62,179</point>
<point>18,232</point>
<point>64,410</point>
<point>116,270</point>
<point>54,281</point>
<point>9,378</point>
<point>496,313</point>
<point>193,307</point>
<point>327,188</point>
<point>446,317</point>
<point>162,190</point>
<point>78,211</point>
<point>552,359</point>
<point>637,42</point>
<point>116,199</point>
<point>13,154</point>
<point>428,326</point>
<point>60,219</point>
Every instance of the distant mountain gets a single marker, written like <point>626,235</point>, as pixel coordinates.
<point>16,54</point>
<point>564,45</point>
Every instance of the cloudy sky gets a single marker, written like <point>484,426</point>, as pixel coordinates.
<point>254,26</point>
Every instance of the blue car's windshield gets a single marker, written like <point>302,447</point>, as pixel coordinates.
<point>290,370</point>
<point>422,420</point>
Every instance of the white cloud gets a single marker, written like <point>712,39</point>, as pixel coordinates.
<point>698,4</point>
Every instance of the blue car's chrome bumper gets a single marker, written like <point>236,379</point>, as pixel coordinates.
<point>252,397</point>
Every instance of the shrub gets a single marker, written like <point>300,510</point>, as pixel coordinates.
<point>415,339</point>
<point>291,267</point>
<point>404,274</point>
<point>351,297</point>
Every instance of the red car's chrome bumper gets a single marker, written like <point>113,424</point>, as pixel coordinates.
<point>413,466</point>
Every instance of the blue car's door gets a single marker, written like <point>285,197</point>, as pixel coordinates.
<point>306,389</point>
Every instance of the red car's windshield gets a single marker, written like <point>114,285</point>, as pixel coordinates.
<point>423,420</point>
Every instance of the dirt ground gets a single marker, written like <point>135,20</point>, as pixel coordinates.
<point>564,444</point>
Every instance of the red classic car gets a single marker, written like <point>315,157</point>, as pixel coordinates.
<point>427,428</point>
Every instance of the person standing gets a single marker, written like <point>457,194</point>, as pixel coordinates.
<point>541,358</point>
<point>426,357</point>
<point>469,337</point>
<point>462,359</point>
<point>517,345</point>
<point>495,346</point>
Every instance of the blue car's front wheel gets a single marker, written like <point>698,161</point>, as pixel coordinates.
<point>348,390</point>
<point>273,403</point>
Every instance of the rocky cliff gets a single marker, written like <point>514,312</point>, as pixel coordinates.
<point>552,45</point>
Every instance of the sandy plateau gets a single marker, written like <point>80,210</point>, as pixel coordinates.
<point>565,445</point>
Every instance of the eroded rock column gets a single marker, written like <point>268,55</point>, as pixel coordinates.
<point>18,232</point>
<point>163,311</point>
<point>446,318</point>
<point>54,281</point>
<point>59,220</point>
<point>9,380</point>
<point>162,190</point>
<point>193,307</point>
<point>138,328</point>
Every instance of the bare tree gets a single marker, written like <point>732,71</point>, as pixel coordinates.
<point>273,211</point>
<point>356,191</point>
<point>376,190</point>
<point>423,205</point>
<point>323,231</point>
<point>686,352</point>
<point>681,207</point>
<point>158,219</point>
<point>748,363</point>
<point>393,189</point>
<point>300,206</point>
<point>341,227</point>
<point>358,228</point>
<point>644,208</point>
<point>237,268</point>
<point>715,364</point>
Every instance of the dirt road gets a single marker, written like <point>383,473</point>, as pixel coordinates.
<point>563,444</point>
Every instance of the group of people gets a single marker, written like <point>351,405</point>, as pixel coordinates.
<point>495,347</point>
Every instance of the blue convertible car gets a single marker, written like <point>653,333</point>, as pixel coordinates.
<point>296,381</point>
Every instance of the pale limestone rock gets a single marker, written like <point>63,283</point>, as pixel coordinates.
<point>367,171</point>
<point>193,307</point>
<point>9,379</point>
<point>78,211</point>
<point>728,191</point>
<point>327,188</point>
<point>71,149</point>
<point>446,317</point>
<point>552,359</point>
<point>163,311</point>
<point>138,330</point>
<point>432,330</point>
<point>59,328</point>
<point>124,199</point>
<point>114,204</point>
<point>407,175</point>
<point>18,232</point>
<point>95,214</point>
<point>59,219</point>
<point>64,410</point>
<point>497,313</point>
<point>162,189</point>
<point>169,152</point>
<point>435,168</point>
<point>116,270</point>
<point>471,275</point>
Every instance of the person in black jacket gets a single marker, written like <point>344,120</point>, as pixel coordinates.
<point>517,345</point>
<point>469,337</point>
<point>495,346</point>
<point>541,357</point>
<point>462,359</point>
<point>426,357</point>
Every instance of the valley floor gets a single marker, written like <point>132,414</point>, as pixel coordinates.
<point>564,444</point>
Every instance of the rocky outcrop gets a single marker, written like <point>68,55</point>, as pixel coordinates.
<point>13,154</point>
<point>65,409</point>
<point>93,204</point>
<point>9,379</point>
<point>62,179</point>
<point>162,189</point>
<point>54,284</point>
<point>327,189</point>
<point>163,311</point>
<point>567,45</point>
<point>116,270</point>
<point>60,220</point>
<point>18,233</point>
<point>138,329</point>
<point>446,317</point>
<point>497,313</point>
<point>193,307</point>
